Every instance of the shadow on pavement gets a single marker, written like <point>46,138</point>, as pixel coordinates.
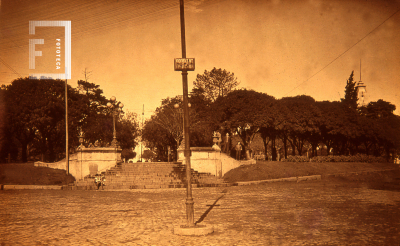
<point>202,217</point>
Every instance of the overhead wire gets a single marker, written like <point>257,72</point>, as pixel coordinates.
<point>100,21</point>
<point>111,21</point>
<point>9,67</point>
<point>105,19</point>
<point>369,33</point>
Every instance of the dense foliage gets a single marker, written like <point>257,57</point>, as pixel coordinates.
<point>163,132</point>
<point>291,128</point>
<point>216,83</point>
<point>296,128</point>
<point>349,158</point>
<point>35,119</point>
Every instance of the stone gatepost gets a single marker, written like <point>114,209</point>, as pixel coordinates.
<point>94,160</point>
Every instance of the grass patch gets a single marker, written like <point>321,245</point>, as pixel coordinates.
<point>28,174</point>
<point>263,170</point>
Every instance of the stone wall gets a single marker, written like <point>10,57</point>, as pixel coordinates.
<point>211,160</point>
<point>88,161</point>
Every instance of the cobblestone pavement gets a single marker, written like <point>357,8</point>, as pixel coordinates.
<point>305,213</point>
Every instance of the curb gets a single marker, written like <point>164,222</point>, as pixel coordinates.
<point>335,175</point>
<point>291,179</point>
<point>201,230</point>
<point>311,177</point>
<point>31,187</point>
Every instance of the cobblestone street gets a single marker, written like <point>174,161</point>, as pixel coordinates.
<point>305,213</point>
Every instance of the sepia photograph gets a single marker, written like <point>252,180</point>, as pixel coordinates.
<point>199,122</point>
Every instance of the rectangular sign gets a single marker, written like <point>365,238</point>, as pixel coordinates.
<point>33,52</point>
<point>184,64</point>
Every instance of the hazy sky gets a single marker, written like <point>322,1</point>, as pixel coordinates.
<point>282,48</point>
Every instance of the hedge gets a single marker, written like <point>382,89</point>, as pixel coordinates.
<point>337,158</point>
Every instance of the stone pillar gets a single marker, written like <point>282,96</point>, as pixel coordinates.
<point>94,161</point>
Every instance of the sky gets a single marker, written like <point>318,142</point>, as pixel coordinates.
<point>282,48</point>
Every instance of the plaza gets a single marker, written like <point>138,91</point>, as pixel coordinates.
<point>325,212</point>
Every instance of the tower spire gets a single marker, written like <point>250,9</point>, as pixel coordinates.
<point>361,91</point>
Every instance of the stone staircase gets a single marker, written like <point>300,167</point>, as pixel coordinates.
<point>149,175</point>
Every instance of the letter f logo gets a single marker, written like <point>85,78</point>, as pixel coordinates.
<point>33,52</point>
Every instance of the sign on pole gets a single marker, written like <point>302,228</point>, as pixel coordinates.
<point>184,64</point>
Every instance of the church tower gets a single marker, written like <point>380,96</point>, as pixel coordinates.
<point>361,92</point>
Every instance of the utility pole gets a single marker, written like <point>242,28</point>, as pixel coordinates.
<point>187,64</point>
<point>66,128</point>
<point>189,199</point>
<point>141,142</point>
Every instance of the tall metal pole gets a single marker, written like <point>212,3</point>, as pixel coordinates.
<point>115,136</point>
<point>189,199</point>
<point>141,142</point>
<point>114,132</point>
<point>66,128</point>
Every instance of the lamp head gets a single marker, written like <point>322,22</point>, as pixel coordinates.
<point>113,98</point>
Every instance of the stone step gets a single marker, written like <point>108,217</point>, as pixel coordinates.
<point>150,176</point>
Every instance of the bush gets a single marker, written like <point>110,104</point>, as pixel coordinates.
<point>148,155</point>
<point>337,158</point>
<point>348,158</point>
<point>296,158</point>
<point>128,154</point>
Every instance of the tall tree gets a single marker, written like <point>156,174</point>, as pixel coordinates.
<point>158,138</point>
<point>301,121</point>
<point>216,83</point>
<point>350,96</point>
<point>389,137</point>
<point>380,109</point>
<point>171,118</point>
<point>35,109</point>
<point>165,128</point>
<point>272,118</point>
<point>201,129</point>
<point>338,126</point>
<point>127,133</point>
<point>240,113</point>
<point>36,116</point>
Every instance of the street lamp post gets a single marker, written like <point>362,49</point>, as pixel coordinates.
<point>187,64</point>
<point>66,128</point>
<point>189,198</point>
<point>115,110</point>
<point>178,107</point>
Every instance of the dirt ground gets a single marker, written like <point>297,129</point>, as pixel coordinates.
<point>334,211</point>
<point>264,170</point>
<point>28,174</point>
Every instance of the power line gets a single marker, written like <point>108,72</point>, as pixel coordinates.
<point>101,19</point>
<point>9,67</point>
<point>343,53</point>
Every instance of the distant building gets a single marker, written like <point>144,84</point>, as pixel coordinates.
<point>362,94</point>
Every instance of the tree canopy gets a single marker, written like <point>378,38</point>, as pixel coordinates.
<point>165,128</point>
<point>35,120</point>
<point>241,113</point>
<point>216,83</point>
<point>351,96</point>
<point>35,110</point>
<point>299,125</point>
